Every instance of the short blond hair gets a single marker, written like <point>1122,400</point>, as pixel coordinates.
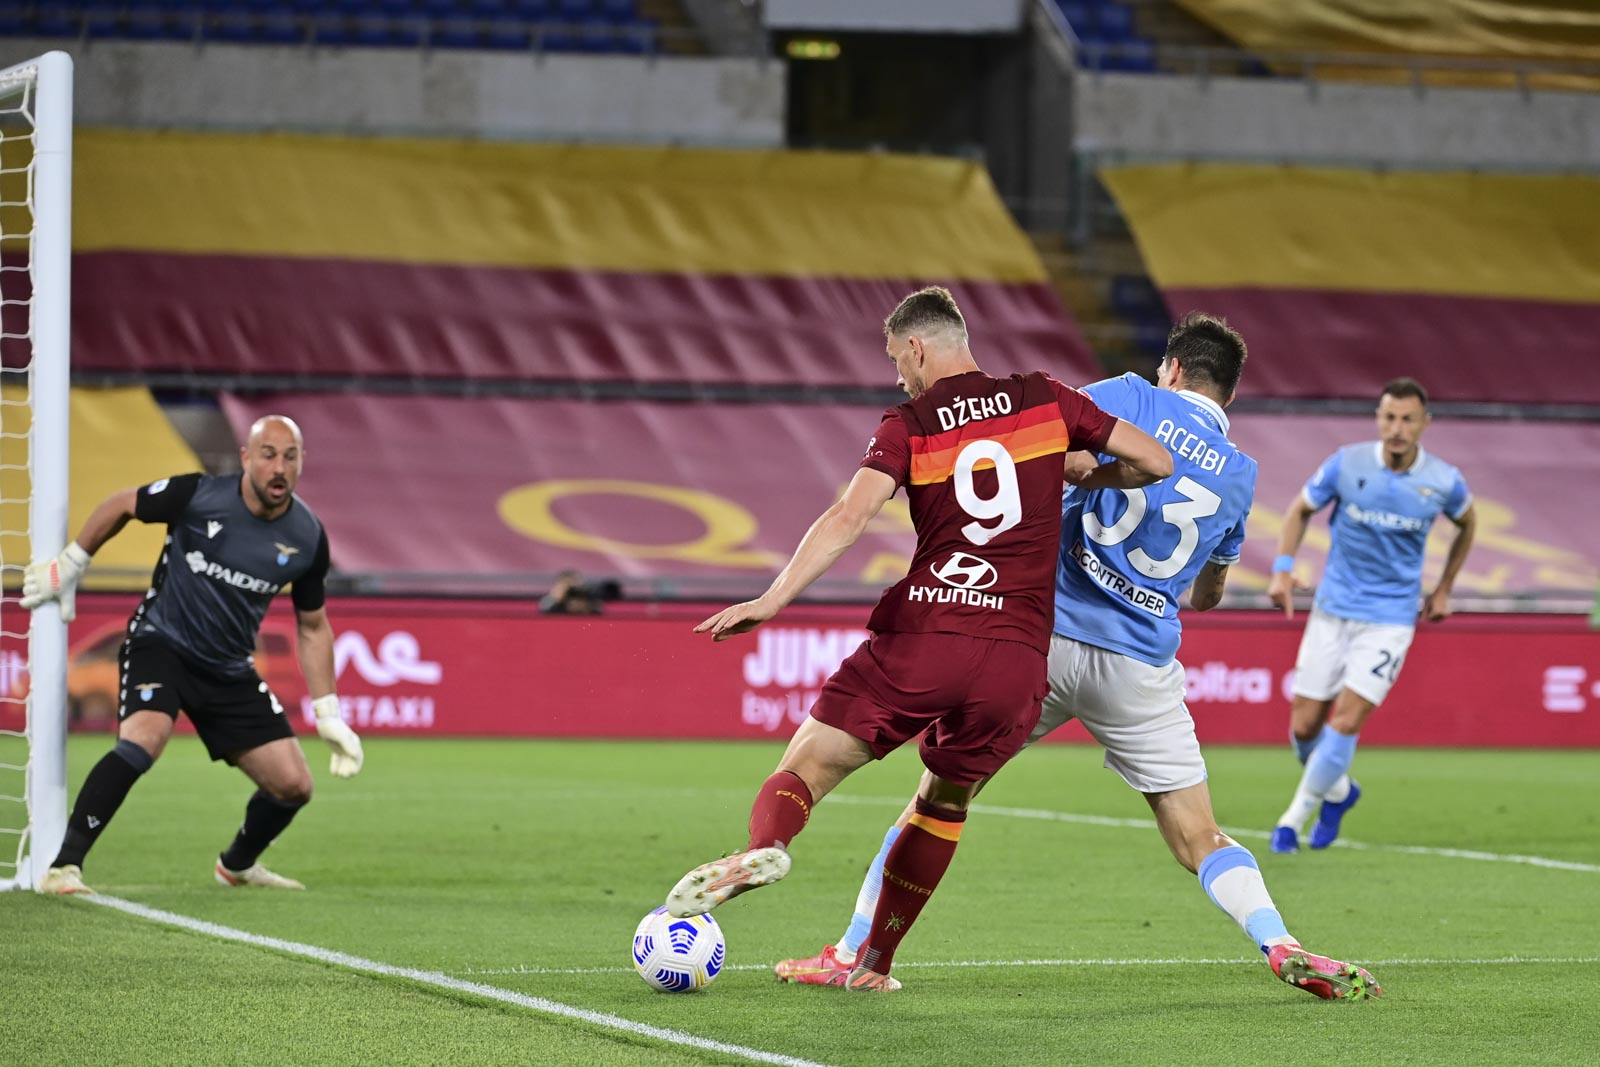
<point>926,311</point>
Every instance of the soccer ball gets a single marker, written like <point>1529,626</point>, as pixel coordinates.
<point>678,955</point>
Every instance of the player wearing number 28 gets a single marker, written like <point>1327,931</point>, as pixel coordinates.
<point>958,646</point>
<point>232,543</point>
<point>1385,496</point>
<point>1127,554</point>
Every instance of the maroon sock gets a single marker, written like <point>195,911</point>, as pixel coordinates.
<point>911,873</point>
<point>780,812</point>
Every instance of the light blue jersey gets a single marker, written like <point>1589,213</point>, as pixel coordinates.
<point>1127,554</point>
<point>1379,529</point>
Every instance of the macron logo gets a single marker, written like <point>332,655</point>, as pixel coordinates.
<point>200,565</point>
<point>213,528</point>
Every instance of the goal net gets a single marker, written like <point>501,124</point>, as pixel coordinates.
<point>35,273</point>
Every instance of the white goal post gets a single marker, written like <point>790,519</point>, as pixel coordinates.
<point>35,325</point>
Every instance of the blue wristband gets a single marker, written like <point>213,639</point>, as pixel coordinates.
<point>1283,565</point>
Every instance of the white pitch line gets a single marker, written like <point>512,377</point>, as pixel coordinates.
<point>1149,824</point>
<point>1257,961</point>
<point>445,981</point>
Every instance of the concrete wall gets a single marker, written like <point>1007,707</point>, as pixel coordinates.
<point>409,91</point>
<point>1253,118</point>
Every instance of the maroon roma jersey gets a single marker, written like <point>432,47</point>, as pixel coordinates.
<point>981,460</point>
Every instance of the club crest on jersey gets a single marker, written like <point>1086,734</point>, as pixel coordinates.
<point>146,690</point>
<point>284,552</point>
<point>966,571</point>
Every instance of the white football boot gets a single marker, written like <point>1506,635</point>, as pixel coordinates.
<point>255,875</point>
<point>64,880</point>
<point>712,883</point>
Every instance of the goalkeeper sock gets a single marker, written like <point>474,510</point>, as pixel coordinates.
<point>781,810</point>
<point>866,902</point>
<point>1232,880</point>
<point>265,817</point>
<point>102,794</point>
<point>911,872</point>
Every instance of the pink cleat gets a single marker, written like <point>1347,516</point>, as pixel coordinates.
<point>1321,976</point>
<point>821,969</point>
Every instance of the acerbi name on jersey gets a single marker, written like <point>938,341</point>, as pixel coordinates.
<point>238,579</point>
<point>1193,447</point>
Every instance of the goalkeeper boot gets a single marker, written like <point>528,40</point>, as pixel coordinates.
<point>821,969</point>
<point>1321,976</point>
<point>64,880</point>
<point>712,883</point>
<point>1326,831</point>
<point>254,875</point>
<point>1284,839</point>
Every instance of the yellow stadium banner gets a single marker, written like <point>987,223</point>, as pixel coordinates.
<point>119,438</point>
<point>1512,31</point>
<point>578,207</point>
<point>1209,226</point>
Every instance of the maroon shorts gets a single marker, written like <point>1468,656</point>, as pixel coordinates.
<point>978,699</point>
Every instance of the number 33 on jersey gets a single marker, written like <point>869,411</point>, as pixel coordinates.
<point>981,462</point>
<point>1128,554</point>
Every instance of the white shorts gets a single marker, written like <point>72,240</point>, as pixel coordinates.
<point>1363,657</point>
<point>1135,710</point>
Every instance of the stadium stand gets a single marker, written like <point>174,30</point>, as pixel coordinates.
<point>443,260</point>
<point>590,26</point>
<point>1490,29</point>
<point>665,494</point>
<point>1486,285</point>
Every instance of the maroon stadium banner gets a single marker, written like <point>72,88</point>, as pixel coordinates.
<point>496,668</point>
<point>489,487</point>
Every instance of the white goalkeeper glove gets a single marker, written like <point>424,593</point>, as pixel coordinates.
<point>56,579</point>
<point>343,740</point>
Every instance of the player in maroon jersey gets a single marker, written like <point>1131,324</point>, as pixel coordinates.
<point>958,646</point>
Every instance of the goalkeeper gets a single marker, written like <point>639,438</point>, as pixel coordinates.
<point>232,544</point>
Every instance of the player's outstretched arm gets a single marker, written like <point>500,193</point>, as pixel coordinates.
<point>1437,607</point>
<point>834,531</point>
<point>57,579</point>
<point>315,649</point>
<point>1296,519</point>
<point>1140,460</point>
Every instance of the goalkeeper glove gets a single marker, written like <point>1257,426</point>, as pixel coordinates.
<point>343,740</point>
<point>56,579</point>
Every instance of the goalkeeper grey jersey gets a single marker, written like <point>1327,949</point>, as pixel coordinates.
<point>222,566</point>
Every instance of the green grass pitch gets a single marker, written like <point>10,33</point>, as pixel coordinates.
<point>526,865</point>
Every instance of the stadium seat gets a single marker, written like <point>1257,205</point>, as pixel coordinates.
<point>280,27</point>
<point>1133,295</point>
<point>56,22</point>
<point>1113,22</point>
<point>13,18</point>
<point>455,33</point>
<point>1135,56</point>
<point>622,11</point>
<point>507,34</point>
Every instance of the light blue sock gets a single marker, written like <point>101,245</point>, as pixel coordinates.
<point>1330,761</point>
<point>1302,749</point>
<point>867,899</point>
<point>1232,880</point>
